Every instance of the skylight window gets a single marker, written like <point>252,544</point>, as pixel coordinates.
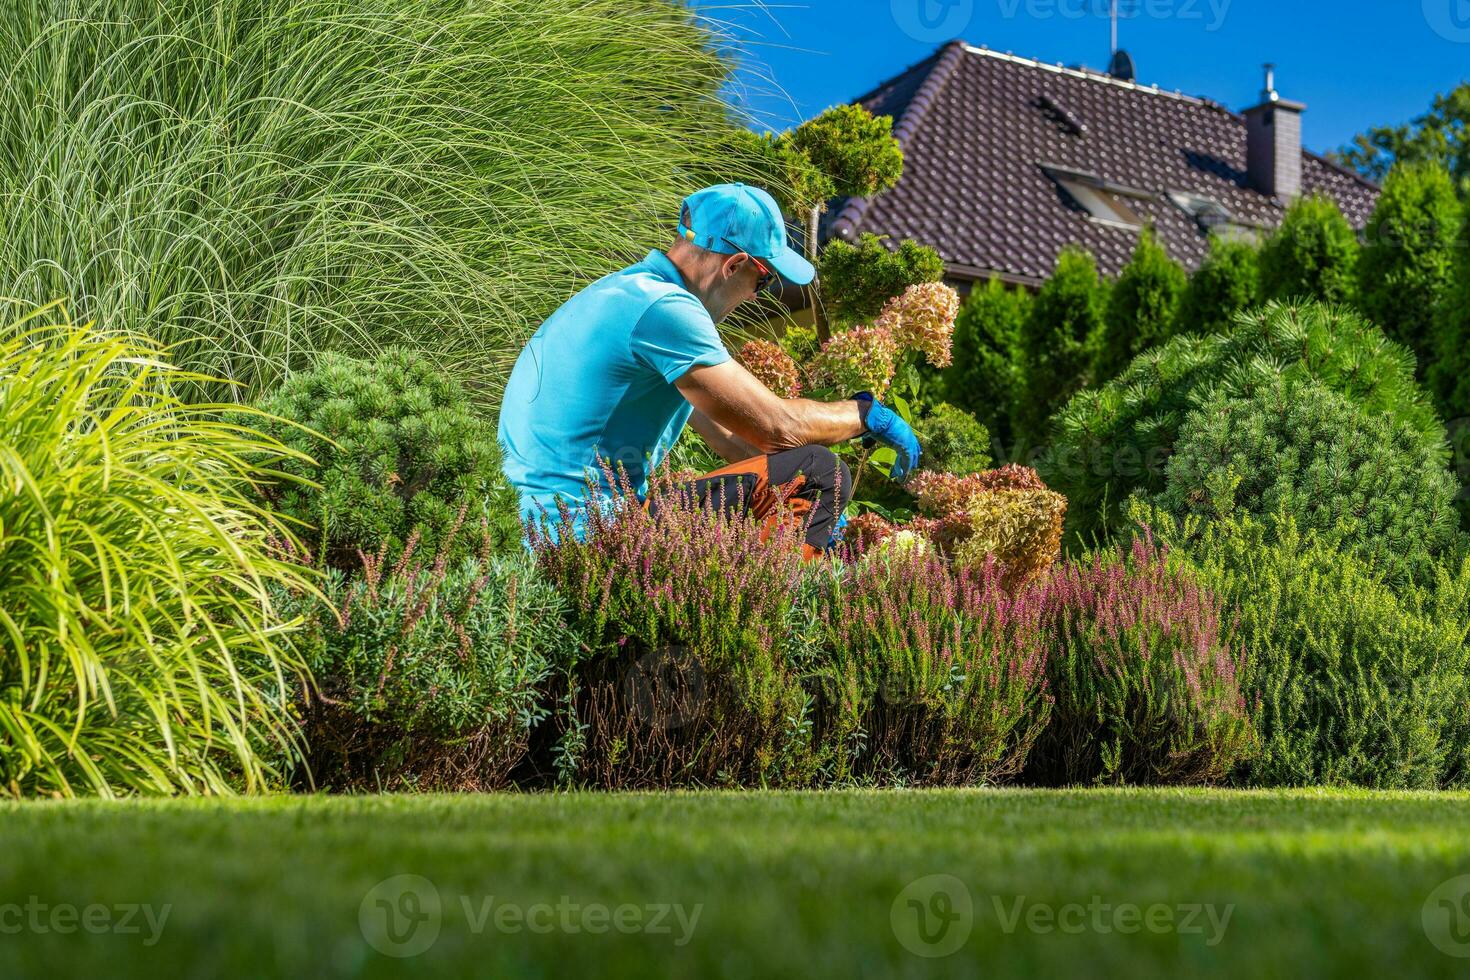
<point>1104,202</point>
<point>1212,216</point>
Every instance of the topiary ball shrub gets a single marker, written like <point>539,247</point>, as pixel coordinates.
<point>1348,680</point>
<point>686,678</point>
<point>1116,440</point>
<point>1144,674</point>
<point>403,450</point>
<point>1302,449</point>
<point>954,441</point>
<point>427,670</point>
<point>929,674</point>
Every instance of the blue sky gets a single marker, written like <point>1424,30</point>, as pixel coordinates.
<point>1355,64</point>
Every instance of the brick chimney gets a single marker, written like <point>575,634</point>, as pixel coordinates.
<point>1274,143</point>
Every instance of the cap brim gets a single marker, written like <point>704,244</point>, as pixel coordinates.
<point>792,268</point>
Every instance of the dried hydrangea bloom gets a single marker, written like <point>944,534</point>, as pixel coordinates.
<point>923,317</point>
<point>943,494</point>
<point>1021,528</point>
<point>860,359</point>
<point>772,366</point>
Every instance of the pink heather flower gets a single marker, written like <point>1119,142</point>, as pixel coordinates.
<point>860,359</point>
<point>923,318</point>
<point>772,366</point>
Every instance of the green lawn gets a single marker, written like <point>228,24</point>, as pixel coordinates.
<point>1119,883</point>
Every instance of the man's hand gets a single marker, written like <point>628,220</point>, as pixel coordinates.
<point>889,428</point>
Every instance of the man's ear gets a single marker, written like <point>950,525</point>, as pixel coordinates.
<point>732,265</point>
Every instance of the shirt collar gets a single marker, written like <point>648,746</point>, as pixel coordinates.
<point>665,268</point>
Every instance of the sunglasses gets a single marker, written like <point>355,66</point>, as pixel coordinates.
<point>767,276</point>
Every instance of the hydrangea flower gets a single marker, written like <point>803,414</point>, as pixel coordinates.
<point>923,317</point>
<point>772,366</point>
<point>860,359</point>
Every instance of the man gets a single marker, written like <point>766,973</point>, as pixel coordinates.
<point>616,373</point>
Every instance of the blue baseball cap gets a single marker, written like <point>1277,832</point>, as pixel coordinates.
<point>732,218</point>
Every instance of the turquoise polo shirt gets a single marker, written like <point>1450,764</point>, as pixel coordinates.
<point>596,381</point>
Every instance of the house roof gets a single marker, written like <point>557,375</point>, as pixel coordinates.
<point>980,129</point>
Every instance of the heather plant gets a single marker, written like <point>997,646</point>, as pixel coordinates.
<point>1409,253</point>
<point>252,182</point>
<point>427,670</point>
<point>1299,448</point>
<point>1144,673</point>
<point>685,679</point>
<point>1348,680</point>
<point>1312,255</point>
<point>1058,341</point>
<point>398,447</point>
<point>1116,440</point>
<point>985,378</point>
<point>859,279</point>
<point>1226,284</point>
<point>1142,307</point>
<point>141,647</point>
<point>933,675</point>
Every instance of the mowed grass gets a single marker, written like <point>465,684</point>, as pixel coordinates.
<point>783,884</point>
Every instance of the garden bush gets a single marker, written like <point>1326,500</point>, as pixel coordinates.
<point>404,449</point>
<point>427,670</point>
<point>251,182</point>
<point>1410,250</point>
<point>953,441</point>
<point>928,675</point>
<point>858,279</point>
<point>1348,680</point>
<point>1116,440</point>
<point>985,378</point>
<point>1227,283</point>
<point>1059,341</point>
<point>140,648</point>
<point>686,678</point>
<point>1448,373</point>
<point>1300,448</point>
<point>1312,255</point>
<point>1142,307</point>
<point>1144,674</point>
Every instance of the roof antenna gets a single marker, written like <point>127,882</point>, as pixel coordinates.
<point>1269,93</point>
<point>1113,12</point>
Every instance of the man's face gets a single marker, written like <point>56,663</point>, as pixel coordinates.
<point>739,279</point>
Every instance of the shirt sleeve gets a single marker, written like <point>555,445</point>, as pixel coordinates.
<point>676,334</point>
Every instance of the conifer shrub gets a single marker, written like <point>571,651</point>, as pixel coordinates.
<point>1058,342</point>
<point>930,674</point>
<point>1348,680</point>
<point>685,679</point>
<point>1409,253</point>
<point>1312,254</point>
<point>1117,439</point>
<point>393,445</point>
<point>954,441</point>
<point>1227,283</point>
<point>1300,448</point>
<point>1142,307</point>
<point>985,378</point>
<point>427,670</point>
<point>1144,673</point>
<point>858,279</point>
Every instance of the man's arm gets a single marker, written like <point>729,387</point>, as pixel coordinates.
<point>731,397</point>
<point>728,446</point>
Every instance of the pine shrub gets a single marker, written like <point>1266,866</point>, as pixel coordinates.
<point>1349,681</point>
<point>1117,439</point>
<point>954,441</point>
<point>428,671</point>
<point>1312,255</point>
<point>1144,674</point>
<point>859,279</point>
<point>985,378</point>
<point>1302,449</point>
<point>1410,251</point>
<point>1142,307</point>
<point>1226,284</point>
<point>404,448</point>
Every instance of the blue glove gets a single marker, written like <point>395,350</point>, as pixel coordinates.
<point>889,428</point>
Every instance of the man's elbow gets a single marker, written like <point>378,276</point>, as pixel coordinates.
<point>782,430</point>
